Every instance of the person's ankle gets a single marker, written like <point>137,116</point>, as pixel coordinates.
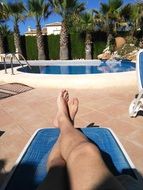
<point>62,117</point>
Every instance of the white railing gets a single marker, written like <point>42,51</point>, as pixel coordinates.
<point>5,57</point>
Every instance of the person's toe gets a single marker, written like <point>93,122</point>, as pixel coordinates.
<point>75,101</point>
<point>66,95</point>
<point>63,93</point>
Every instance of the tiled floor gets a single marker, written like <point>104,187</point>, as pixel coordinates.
<point>22,114</point>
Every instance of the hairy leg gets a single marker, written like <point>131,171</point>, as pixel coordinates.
<point>85,165</point>
<point>55,157</point>
<point>57,177</point>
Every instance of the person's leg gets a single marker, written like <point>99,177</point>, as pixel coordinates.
<point>55,158</point>
<point>57,177</point>
<point>85,165</point>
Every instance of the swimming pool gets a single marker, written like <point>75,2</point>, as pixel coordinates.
<point>99,67</point>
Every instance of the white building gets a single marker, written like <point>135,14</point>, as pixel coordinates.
<point>51,28</point>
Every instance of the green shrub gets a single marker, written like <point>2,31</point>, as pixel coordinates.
<point>53,46</point>
<point>9,46</point>
<point>98,48</point>
<point>127,48</point>
<point>77,46</point>
<point>31,48</point>
<point>23,46</point>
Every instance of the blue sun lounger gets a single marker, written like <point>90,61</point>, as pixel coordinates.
<point>137,103</point>
<point>30,169</point>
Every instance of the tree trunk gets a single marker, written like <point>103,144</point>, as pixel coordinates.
<point>110,36</point>
<point>111,42</point>
<point>40,44</point>
<point>64,52</point>
<point>17,41</point>
<point>88,46</point>
<point>1,44</point>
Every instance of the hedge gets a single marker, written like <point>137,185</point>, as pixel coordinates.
<point>77,46</point>
<point>9,44</point>
<point>31,48</point>
<point>51,44</point>
<point>98,48</point>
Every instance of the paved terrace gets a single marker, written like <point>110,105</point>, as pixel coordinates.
<point>22,114</point>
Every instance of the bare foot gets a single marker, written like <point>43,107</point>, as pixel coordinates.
<point>73,108</point>
<point>62,103</point>
<point>70,108</point>
<point>55,157</point>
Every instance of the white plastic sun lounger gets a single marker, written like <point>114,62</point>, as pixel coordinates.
<point>137,103</point>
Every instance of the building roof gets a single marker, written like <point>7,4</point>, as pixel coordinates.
<point>54,24</point>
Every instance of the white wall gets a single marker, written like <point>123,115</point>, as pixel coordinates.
<point>53,30</point>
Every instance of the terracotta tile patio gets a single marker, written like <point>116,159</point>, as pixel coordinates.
<point>22,114</point>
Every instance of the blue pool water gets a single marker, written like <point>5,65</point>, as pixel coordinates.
<point>101,67</point>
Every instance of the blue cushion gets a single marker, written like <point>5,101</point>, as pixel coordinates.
<point>141,68</point>
<point>32,168</point>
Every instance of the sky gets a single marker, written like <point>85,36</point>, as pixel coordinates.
<point>90,4</point>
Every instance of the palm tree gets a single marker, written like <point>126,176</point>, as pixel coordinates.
<point>16,13</point>
<point>133,15</point>
<point>86,23</point>
<point>67,9</point>
<point>137,18</point>
<point>38,9</point>
<point>137,15</point>
<point>109,13</point>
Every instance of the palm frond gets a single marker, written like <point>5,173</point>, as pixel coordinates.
<point>104,8</point>
<point>16,11</point>
<point>16,8</point>
<point>38,9</point>
<point>115,4</point>
<point>85,22</point>
<point>67,8</point>
<point>126,12</point>
<point>4,30</point>
<point>3,12</point>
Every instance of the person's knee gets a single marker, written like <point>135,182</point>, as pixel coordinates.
<point>83,150</point>
<point>58,161</point>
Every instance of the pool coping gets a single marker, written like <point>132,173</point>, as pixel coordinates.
<point>93,81</point>
<point>75,62</point>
